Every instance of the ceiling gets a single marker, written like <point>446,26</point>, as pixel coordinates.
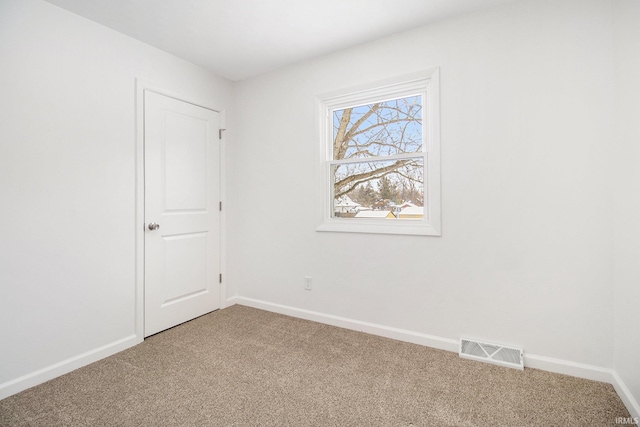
<point>239,39</point>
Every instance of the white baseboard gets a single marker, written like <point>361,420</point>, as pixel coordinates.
<point>627,398</point>
<point>50,372</point>
<point>565,367</point>
<point>531,361</point>
<point>355,325</point>
<point>559,366</point>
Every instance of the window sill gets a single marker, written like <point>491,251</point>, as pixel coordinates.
<point>416,228</point>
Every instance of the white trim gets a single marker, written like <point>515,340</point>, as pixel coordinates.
<point>354,325</point>
<point>390,87</point>
<point>589,372</point>
<point>533,361</point>
<point>425,83</point>
<point>231,301</point>
<point>566,367</point>
<point>374,159</point>
<point>50,372</point>
<point>139,209</point>
<point>363,225</point>
<point>223,213</point>
<point>580,370</point>
<point>141,86</point>
<point>625,395</point>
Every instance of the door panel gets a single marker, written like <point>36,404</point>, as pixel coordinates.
<point>185,266</point>
<point>185,162</point>
<point>182,192</point>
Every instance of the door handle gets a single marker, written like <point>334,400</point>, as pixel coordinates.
<point>153,226</point>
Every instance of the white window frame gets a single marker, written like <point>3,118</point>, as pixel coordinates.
<point>425,83</point>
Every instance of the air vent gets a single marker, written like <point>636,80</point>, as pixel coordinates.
<point>511,357</point>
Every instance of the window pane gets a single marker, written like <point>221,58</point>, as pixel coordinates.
<point>384,189</point>
<point>378,129</point>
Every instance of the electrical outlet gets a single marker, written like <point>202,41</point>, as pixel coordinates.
<point>307,283</point>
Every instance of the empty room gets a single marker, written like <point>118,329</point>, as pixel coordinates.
<point>337,212</point>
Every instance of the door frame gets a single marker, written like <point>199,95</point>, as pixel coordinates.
<point>141,86</point>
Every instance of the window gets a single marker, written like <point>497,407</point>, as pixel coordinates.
<point>380,157</point>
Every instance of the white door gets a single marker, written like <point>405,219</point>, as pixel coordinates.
<point>182,216</point>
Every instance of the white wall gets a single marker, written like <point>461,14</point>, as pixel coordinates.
<point>68,184</point>
<point>529,250</point>
<point>627,190</point>
<point>526,252</point>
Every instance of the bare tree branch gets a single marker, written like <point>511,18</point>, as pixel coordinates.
<point>339,147</point>
<point>381,129</point>
<point>363,177</point>
<point>385,124</point>
<point>349,135</point>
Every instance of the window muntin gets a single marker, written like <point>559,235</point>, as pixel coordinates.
<point>382,158</point>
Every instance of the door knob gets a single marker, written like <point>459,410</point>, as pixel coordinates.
<point>153,226</point>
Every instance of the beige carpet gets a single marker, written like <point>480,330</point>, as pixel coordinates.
<point>246,367</point>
